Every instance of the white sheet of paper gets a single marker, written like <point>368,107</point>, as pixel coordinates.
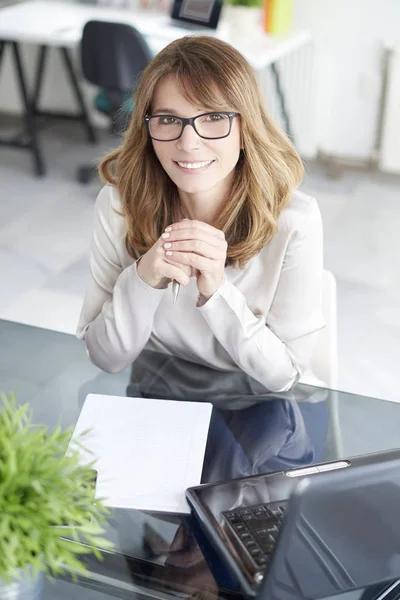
<point>147,452</point>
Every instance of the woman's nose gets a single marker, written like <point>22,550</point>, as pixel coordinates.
<point>189,139</point>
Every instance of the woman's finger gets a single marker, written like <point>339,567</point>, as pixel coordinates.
<point>194,260</point>
<point>175,272</point>
<point>185,268</point>
<point>198,247</point>
<point>193,234</point>
<point>197,226</point>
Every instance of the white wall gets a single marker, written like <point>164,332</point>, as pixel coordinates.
<point>349,36</point>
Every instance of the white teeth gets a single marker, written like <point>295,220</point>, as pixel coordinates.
<point>196,165</point>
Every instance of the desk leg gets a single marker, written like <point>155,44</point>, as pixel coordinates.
<point>78,93</point>
<point>39,78</point>
<point>32,142</point>
<point>282,102</point>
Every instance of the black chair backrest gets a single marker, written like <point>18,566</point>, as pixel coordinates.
<point>113,55</point>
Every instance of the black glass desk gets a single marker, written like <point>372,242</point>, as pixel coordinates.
<point>251,431</point>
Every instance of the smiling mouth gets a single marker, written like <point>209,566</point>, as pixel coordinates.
<point>194,165</point>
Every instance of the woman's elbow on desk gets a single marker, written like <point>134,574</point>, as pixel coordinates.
<point>105,363</point>
<point>108,367</point>
<point>110,361</point>
<point>97,361</point>
<point>280,382</point>
<point>276,374</point>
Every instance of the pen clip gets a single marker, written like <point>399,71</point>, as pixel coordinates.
<point>175,291</point>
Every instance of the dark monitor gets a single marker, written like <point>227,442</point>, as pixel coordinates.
<point>204,13</point>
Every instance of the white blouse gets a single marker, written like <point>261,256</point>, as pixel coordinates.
<point>262,320</point>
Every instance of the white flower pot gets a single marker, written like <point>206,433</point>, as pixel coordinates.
<point>242,21</point>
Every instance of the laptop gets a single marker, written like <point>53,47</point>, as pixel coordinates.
<point>306,533</point>
<point>196,15</point>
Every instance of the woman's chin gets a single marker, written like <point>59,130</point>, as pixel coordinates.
<point>197,187</point>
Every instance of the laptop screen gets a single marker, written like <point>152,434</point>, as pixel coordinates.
<point>201,12</point>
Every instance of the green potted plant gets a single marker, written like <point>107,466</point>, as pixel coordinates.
<point>243,18</point>
<point>47,504</point>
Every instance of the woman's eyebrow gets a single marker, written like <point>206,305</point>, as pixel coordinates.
<point>171,111</point>
<point>168,111</point>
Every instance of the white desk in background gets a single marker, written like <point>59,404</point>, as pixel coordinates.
<point>48,23</point>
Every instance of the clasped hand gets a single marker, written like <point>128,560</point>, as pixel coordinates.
<point>187,248</point>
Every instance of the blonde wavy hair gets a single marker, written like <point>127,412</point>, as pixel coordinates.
<point>212,74</point>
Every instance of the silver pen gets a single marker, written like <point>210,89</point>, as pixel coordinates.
<point>175,290</point>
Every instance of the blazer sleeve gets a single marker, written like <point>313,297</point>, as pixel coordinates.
<point>118,309</point>
<point>277,349</point>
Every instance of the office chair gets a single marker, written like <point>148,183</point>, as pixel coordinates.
<point>324,362</point>
<point>113,56</point>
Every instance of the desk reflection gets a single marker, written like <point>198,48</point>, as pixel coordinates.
<point>252,430</point>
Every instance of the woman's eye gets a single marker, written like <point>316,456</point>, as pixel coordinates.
<point>167,121</point>
<point>215,117</point>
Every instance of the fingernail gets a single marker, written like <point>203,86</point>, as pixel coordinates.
<point>168,245</point>
<point>169,253</point>
<point>165,235</point>
<point>168,229</point>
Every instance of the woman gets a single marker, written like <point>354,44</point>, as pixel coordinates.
<point>202,191</point>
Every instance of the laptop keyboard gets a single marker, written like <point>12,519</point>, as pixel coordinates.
<point>257,529</point>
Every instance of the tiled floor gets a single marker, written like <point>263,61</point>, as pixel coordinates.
<point>45,229</point>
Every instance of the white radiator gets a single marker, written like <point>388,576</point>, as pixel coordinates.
<point>298,82</point>
<point>389,156</point>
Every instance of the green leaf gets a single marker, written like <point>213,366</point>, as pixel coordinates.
<point>42,488</point>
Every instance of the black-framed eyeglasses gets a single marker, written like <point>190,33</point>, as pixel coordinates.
<point>209,126</point>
